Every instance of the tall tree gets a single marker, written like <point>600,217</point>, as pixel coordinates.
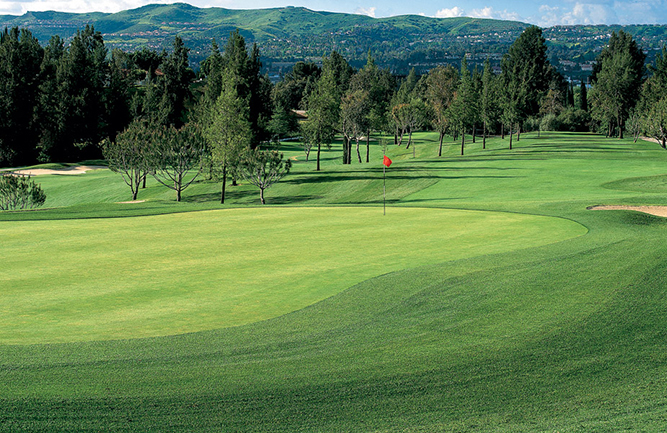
<point>488,100</point>
<point>617,77</point>
<point>583,97</point>
<point>463,110</point>
<point>323,113</point>
<point>251,85</point>
<point>354,118</point>
<point>174,85</point>
<point>613,95</point>
<point>228,131</point>
<point>118,93</point>
<point>50,119</point>
<point>81,77</point>
<point>379,85</point>
<point>442,84</point>
<point>212,68</point>
<point>526,74</point>
<point>20,60</point>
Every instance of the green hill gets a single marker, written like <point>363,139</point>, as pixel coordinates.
<point>291,34</point>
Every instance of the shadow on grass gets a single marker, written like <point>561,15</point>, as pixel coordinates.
<point>232,193</point>
<point>343,178</point>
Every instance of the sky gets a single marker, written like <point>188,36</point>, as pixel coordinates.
<point>544,13</point>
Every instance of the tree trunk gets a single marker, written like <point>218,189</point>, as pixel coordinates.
<point>518,131</point>
<point>261,195</point>
<point>177,187</point>
<point>442,137</point>
<point>143,186</point>
<point>664,144</point>
<point>319,149</point>
<point>368,146</point>
<point>409,139</point>
<point>224,183</point>
<point>345,141</point>
<point>396,137</point>
<point>474,134</point>
<point>511,134</point>
<point>178,195</point>
<point>502,131</point>
<point>484,136</point>
<point>358,153</point>
<point>463,141</point>
<point>135,191</point>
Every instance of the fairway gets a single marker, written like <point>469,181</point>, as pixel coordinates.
<point>120,278</point>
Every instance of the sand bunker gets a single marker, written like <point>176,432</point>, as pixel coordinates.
<point>79,169</point>
<point>660,211</point>
<point>130,202</point>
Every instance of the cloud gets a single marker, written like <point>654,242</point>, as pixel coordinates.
<point>590,13</point>
<point>581,13</point>
<point>10,8</point>
<point>490,12</point>
<point>366,11</point>
<point>450,13</point>
<point>21,7</point>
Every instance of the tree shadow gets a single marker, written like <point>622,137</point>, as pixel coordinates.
<point>233,194</point>
<point>289,199</point>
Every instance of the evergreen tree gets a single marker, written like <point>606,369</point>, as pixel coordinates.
<point>526,74</point>
<point>488,100</point>
<point>20,60</point>
<point>229,131</point>
<point>80,77</point>
<point>174,85</point>
<point>583,97</point>
<point>617,78</point>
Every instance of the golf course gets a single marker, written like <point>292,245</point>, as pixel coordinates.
<point>488,298</point>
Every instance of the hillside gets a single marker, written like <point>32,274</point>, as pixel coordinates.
<point>290,34</point>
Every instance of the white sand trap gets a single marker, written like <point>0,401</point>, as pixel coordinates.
<point>660,211</point>
<point>130,202</point>
<point>79,169</point>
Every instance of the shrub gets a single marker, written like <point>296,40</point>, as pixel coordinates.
<point>549,123</point>
<point>19,192</point>
<point>574,120</point>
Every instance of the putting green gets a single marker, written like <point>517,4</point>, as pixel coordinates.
<point>97,279</point>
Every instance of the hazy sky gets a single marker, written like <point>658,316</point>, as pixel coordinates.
<point>541,12</point>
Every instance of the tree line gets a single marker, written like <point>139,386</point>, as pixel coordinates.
<point>148,113</point>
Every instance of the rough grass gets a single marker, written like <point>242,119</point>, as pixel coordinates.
<point>568,336</point>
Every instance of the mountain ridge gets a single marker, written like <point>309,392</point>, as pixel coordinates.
<point>289,34</point>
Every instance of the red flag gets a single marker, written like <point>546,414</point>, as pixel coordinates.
<point>386,161</point>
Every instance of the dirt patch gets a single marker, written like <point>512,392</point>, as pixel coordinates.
<point>130,202</point>
<point>79,169</point>
<point>660,211</point>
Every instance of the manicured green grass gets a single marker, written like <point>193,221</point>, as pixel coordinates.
<point>170,274</point>
<point>493,330</point>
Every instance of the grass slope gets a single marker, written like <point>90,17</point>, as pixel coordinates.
<point>170,274</point>
<point>568,336</point>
